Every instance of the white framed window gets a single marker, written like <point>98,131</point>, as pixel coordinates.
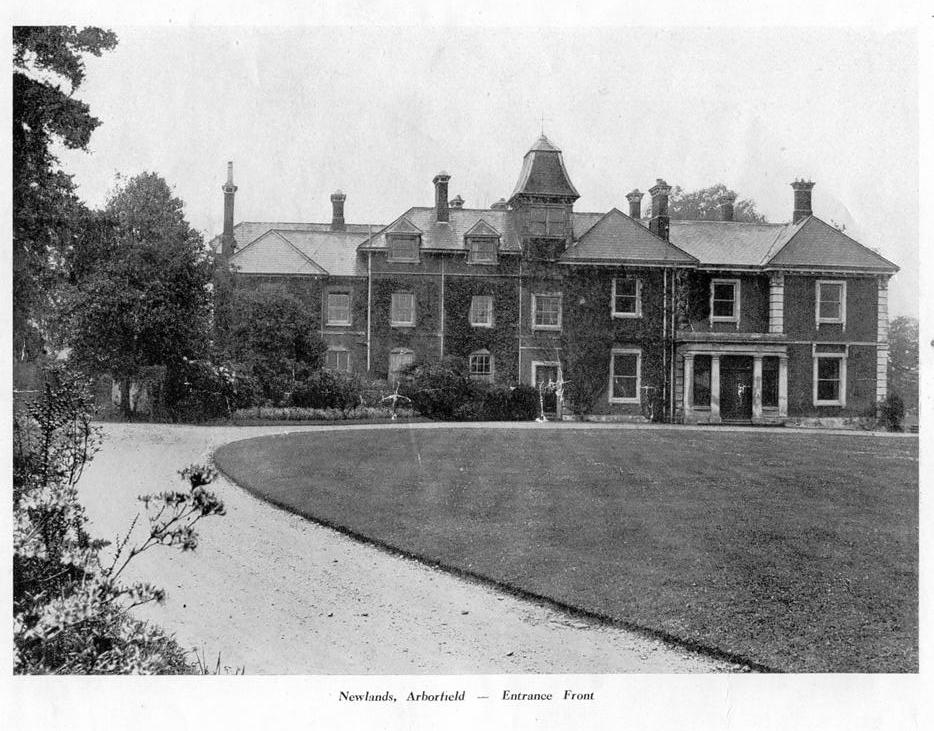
<point>627,297</point>
<point>337,359</point>
<point>481,310</point>
<point>724,300</point>
<point>625,375</point>
<point>480,365</point>
<point>546,311</point>
<point>402,309</point>
<point>338,308</point>
<point>829,386</point>
<point>548,221</point>
<point>403,248</point>
<point>830,302</point>
<point>399,359</point>
<point>483,249</point>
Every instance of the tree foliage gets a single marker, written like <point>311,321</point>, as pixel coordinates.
<point>276,336</point>
<point>903,359</point>
<point>70,607</point>
<point>703,205</point>
<point>48,69</point>
<point>148,302</point>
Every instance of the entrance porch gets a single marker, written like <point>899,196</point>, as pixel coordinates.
<point>733,383</point>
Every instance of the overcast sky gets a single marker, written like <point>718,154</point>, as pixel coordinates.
<point>377,112</point>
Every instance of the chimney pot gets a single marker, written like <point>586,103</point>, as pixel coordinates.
<point>457,202</point>
<point>659,222</point>
<point>802,189</point>
<point>726,206</point>
<point>228,242</point>
<point>337,210</point>
<point>441,196</point>
<point>635,203</point>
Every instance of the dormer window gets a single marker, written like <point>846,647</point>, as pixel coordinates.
<point>403,248</point>
<point>483,249</point>
<point>548,221</point>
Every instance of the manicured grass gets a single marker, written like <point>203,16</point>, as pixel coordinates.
<point>796,551</point>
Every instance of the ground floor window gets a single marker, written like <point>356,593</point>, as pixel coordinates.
<point>770,382</point>
<point>829,380</point>
<point>399,358</point>
<point>625,375</point>
<point>480,365</point>
<point>337,359</point>
<point>701,381</point>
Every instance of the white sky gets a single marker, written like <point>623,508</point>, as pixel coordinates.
<point>378,111</point>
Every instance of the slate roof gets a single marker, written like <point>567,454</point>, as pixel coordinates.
<point>283,251</point>
<point>618,238</point>
<point>809,244</point>
<point>543,172</point>
<point>818,245</point>
<point>727,243</point>
<point>450,236</point>
<point>246,232</point>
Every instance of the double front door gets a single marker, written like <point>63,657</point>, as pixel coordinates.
<point>735,387</point>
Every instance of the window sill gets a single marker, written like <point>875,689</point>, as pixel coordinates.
<point>547,328</point>
<point>490,263</point>
<point>700,408</point>
<point>624,400</point>
<point>732,320</point>
<point>626,315</point>
<point>402,325</point>
<point>829,403</point>
<point>338,324</point>
<point>485,326</point>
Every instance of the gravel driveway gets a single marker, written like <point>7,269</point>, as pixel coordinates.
<point>274,593</point>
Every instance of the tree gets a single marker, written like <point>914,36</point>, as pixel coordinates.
<point>903,360</point>
<point>703,205</point>
<point>275,335</point>
<point>147,303</point>
<point>46,211</point>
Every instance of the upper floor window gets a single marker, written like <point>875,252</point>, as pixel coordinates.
<point>546,311</point>
<point>831,302</point>
<point>724,300</point>
<point>627,297</point>
<point>482,249</point>
<point>625,375</point>
<point>337,359</point>
<point>402,309</point>
<point>338,308</point>
<point>481,311</point>
<point>547,221</point>
<point>480,364</point>
<point>403,248</point>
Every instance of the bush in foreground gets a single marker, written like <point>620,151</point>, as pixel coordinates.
<point>70,609</point>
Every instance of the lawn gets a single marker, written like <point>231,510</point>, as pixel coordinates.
<point>795,551</point>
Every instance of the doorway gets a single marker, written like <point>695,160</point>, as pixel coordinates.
<point>736,387</point>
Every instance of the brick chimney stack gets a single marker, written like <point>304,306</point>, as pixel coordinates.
<point>635,203</point>
<point>659,222</point>
<point>441,196</point>
<point>802,189</point>
<point>337,210</point>
<point>457,202</point>
<point>726,206</point>
<point>227,238</point>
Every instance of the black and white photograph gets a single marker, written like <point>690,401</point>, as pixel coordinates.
<point>456,366</point>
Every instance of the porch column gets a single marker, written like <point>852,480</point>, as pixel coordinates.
<point>756,387</point>
<point>715,389</point>
<point>783,385</point>
<point>688,384</point>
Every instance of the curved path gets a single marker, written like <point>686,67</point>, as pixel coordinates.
<point>274,593</point>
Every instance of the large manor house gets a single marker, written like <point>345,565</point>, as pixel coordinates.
<point>691,321</point>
